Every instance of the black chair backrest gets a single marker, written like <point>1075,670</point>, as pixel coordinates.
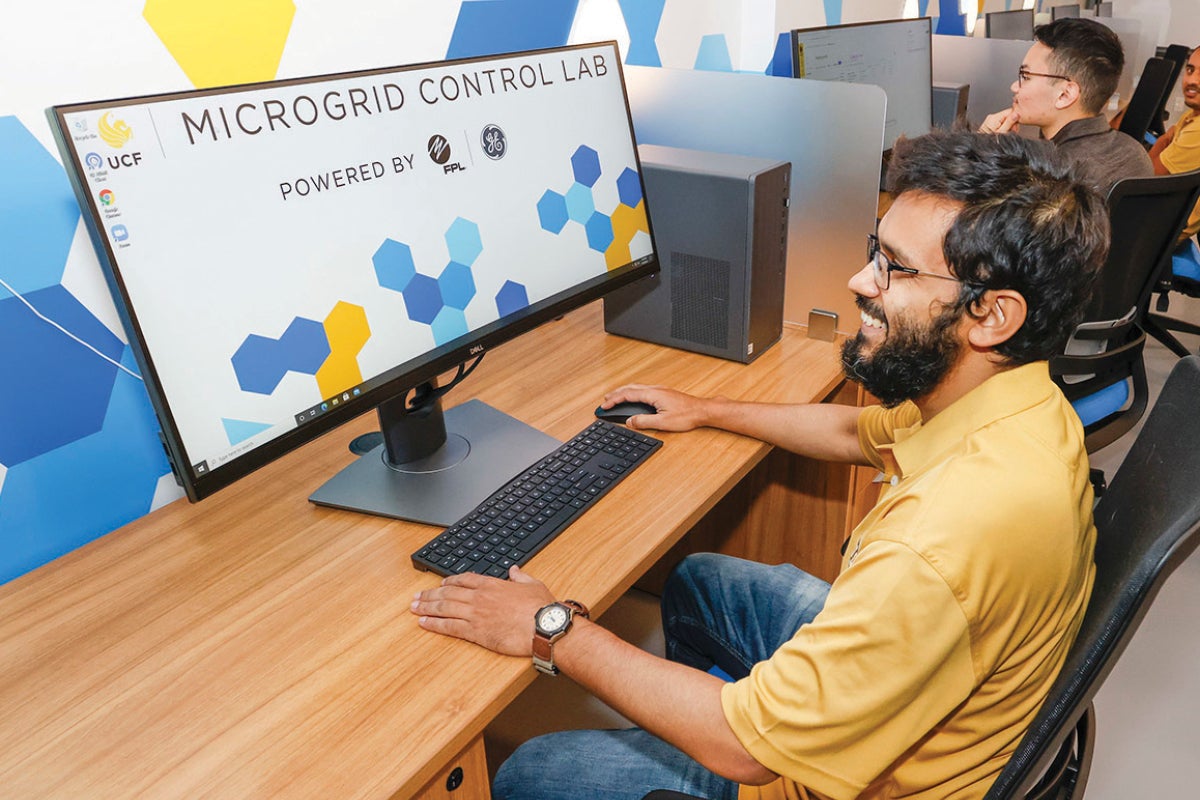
<point>1148,522</point>
<point>1177,54</point>
<point>1147,215</point>
<point>1149,96</point>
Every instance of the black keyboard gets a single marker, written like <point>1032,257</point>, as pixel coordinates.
<point>525,514</point>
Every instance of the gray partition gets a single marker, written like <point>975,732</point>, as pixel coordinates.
<point>989,66</point>
<point>1129,31</point>
<point>832,133</point>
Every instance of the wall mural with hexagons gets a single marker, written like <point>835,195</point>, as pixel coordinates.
<point>79,448</point>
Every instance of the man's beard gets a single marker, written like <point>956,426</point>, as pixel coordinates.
<point>909,363</point>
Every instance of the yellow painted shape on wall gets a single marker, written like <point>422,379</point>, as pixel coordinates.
<point>626,222</point>
<point>220,42</point>
<point>347,330</point>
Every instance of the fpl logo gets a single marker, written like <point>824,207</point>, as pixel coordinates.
<point>115,133</point>
<point>439,152</point>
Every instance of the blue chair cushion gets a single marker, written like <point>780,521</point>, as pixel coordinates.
<point>1098,405</point>
<point>1185,263</point>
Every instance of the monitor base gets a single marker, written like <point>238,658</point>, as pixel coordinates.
<point>484,448</point>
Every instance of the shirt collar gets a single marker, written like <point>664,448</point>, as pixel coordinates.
<point>1078,128</point>
<point>1002,395</point>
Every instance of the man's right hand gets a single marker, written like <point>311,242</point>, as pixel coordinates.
<point>677,411</point>
<point>1005,121</point>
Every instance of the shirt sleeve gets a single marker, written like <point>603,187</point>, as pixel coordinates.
<point>877,427</point>
<point>884,662</point>
<point>1183,153</point>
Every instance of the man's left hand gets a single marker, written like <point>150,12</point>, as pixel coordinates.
<point>494,613</point>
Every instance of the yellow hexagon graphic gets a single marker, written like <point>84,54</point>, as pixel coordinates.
<point>220,42</point>
<point>347,330</point>
<point>626,222</point>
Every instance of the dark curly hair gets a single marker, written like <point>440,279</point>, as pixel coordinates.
<point>1089,53</point>
<point>1027,224</point>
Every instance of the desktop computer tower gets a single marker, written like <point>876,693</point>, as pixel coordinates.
<point>949,103</point>
<point>720,228</point>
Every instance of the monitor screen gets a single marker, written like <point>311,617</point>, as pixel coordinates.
<point>1016,24</point>
<point>1058,12</point>
<point>288,255</point>
<point>896,55</point>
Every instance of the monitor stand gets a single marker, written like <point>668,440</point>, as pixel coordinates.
<point>432,467</point>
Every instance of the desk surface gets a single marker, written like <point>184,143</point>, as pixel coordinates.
<point>256,645</point>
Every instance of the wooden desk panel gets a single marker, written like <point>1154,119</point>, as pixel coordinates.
<point>256,645</point>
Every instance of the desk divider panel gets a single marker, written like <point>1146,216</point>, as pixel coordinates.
<point>832,133</point>
<point>988,65</point>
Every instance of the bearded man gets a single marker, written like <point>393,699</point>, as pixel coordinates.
<point>917,671</point>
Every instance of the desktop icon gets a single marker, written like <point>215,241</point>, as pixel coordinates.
<point>93,161</point>
<point>324,406</point>
<point>119,233</point>
<point>357,392</point>
<point>345,396</point>
<point>106,197</point>
<point>115,133</point>
<point>333,402</point>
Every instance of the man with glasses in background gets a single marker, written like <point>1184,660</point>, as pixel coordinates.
<point>917,671</point>
<point>1062,89</point>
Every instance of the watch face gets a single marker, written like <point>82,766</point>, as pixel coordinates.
<point>552,618</point>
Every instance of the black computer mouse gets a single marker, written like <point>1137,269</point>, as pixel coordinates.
<point>623,411</point>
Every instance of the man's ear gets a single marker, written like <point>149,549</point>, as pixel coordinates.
<point>1068,95</point>
<point>996,317</point>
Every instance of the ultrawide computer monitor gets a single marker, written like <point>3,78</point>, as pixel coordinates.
<point>896,55</point>
<point>288,255</point>
<point>1015,24</point>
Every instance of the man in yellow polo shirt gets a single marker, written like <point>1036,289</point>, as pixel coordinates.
<point>918,670</point>
<point>1178,150</point>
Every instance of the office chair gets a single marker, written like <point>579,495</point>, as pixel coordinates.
<point>1101,370</point>
<point>1177,54</point>
<point>1158,76</point>
<point>1147,525</point>
<point>1183,277</point>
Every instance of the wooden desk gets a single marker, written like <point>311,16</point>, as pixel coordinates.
<point>256,645</point>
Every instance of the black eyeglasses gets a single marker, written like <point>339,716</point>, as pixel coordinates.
<point>883,266</point>
<point>1024,75</point>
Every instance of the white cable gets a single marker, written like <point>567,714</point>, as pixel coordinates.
<point>46,319</point>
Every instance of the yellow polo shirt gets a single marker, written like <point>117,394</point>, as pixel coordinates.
<point>1183,155</point>
<point>959,595</point>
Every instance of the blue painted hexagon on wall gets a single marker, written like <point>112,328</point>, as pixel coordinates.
<point>422,298</point>
<point>586,164</point>
<point>629,188</point>
<point>463,242</point>
<point>64,386</point>
<point>394,265</point>
<point>552,211</point>
<point>511,297</point>
<point>457,285</point>
<point>97,483</point>
<point>580,205</point>
<point>38,211</point>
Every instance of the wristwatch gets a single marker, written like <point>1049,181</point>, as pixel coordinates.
<point>550,624</point>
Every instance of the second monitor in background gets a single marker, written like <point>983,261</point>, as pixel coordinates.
<point>896,55</point>
<point>1016,24</point>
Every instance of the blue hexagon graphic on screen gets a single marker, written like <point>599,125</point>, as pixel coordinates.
<point>608,232</point>
<point>439,302</point>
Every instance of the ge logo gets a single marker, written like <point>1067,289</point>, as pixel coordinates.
<point>439,149</point>
<point>495,144</point>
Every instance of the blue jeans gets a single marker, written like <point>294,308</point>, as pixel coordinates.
<point>717,611</point>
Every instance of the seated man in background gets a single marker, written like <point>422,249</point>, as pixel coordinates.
<point>1178,149</point>
<point>918,670</point>
<point>1062,88</point>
